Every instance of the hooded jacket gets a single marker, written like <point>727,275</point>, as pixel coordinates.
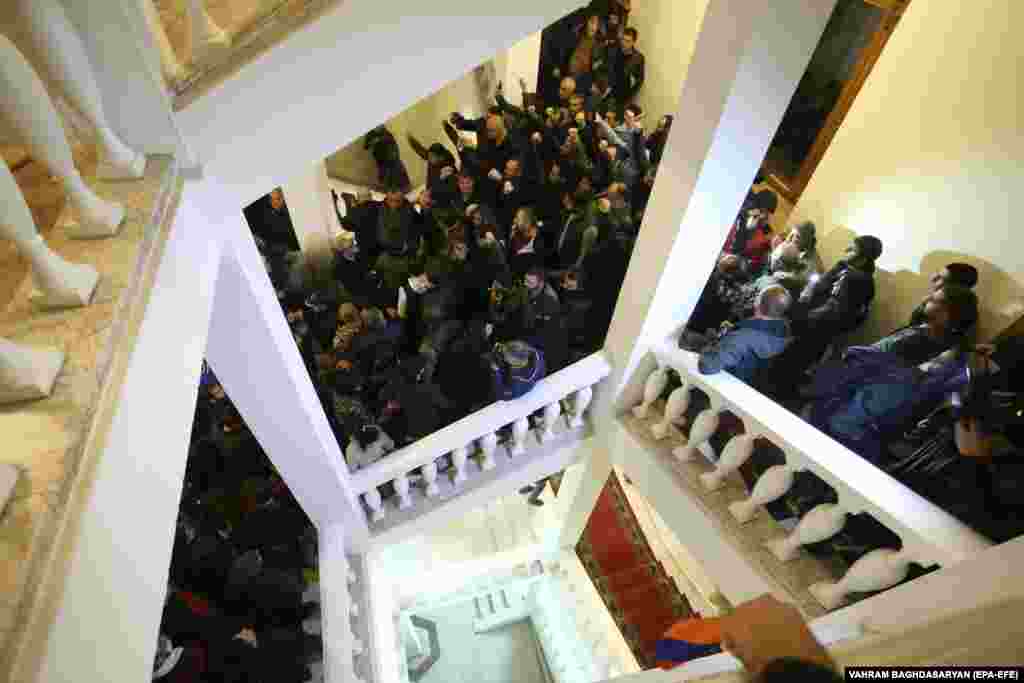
<point>746,348</point>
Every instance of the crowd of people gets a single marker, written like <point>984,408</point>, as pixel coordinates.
<point>505,266</point>
<point>924,402</point>
<point>242,600</point>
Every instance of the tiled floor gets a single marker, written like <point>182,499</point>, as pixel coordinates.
<point>45,438</point>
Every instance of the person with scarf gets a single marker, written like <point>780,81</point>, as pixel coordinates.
<point>441,170</point>
<point>751,233</point>
<point>396,238</point>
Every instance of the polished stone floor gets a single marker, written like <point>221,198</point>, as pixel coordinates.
<point>45,438</point>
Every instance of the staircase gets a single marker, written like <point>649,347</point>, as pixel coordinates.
<point>506,605</point>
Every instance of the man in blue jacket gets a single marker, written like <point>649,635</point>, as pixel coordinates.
<point>748,346</point>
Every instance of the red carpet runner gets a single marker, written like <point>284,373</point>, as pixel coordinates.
<point>639,594</point>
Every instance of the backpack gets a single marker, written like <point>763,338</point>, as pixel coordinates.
<point>516,367</point>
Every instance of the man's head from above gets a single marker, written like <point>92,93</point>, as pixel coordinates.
<point>535,278</point>
<point>600,85</point>
<point>277,199</point>
<point>457,250</point>
<point>628,40</point>
<point>772,302</point>
<point>567,88</point>
<point>962,274</point>
<point>631,115</point>
<point>952,307</point>
<point>584,188</point>
<point>393,198</point>
<point>803,236</point>
<point>611,117</point>
<point>592,26</point>
<point>576,104</point>
<point>525,223</point>
<point>730,266</point>
<point>513,168</point>
<point>863,252</point>
<point>466,183</point>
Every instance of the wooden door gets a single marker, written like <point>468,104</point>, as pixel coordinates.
<point>852,41</point>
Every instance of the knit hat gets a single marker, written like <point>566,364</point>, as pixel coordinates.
<point>869,247</point>
<point>766,200</point>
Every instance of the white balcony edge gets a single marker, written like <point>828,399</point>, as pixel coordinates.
<point>930,535</point>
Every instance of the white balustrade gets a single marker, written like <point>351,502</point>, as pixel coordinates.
<point>734,455</point>
<point>552,412</point>
<point>929,535</point>
<point>823,521</point>
<point>27,373</point>
<point>353,609</point>
<point>877,570</point>
<point>675,409</point>
<point>704,427</point>
<point>402,490</point>
<point>375,503</point>
<point>520,428</point>
<point>772,485</point>
<point>479,431</point>
<point>580,400</point>
<point>429,473</point>
<point>488,443</point>
<point>459,458</point>
<point>169,63</point>
<point>26,109</point>
<point>357,647</point>
<point>655,384</point>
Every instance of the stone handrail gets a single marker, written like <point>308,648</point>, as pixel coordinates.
<point>478,432</point>
<point>929,535</point>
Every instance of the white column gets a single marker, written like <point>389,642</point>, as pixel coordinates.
<point>270,386</point>
<point>312,210</point>
<point>58,282</point>
<point>55,49</point>
<point>748,59</point>
<point>27,373</point>
<point>25,109</point>
<point>596,470</point>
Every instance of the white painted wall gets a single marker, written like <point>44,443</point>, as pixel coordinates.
<point>311,208</point>
<point>316,91</point>
<point>929,159</point>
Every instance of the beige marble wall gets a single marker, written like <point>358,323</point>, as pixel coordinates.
<point>45,439</point>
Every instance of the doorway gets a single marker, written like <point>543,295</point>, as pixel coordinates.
<point>853,39</point>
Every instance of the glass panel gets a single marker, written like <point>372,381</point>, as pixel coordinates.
<point>850,29</point>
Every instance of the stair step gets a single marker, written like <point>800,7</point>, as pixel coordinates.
<point>629,577</point>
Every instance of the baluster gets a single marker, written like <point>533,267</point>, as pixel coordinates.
<point>27,373</point>
<point>823,521</point>
<point>876,571</point>
<point>703,429</point>
<point>459,457</point>
<point>59,283</point>
<point>205,39</point>
<point>172,69</point>
<point>488,443</point>
<point>26,110</point>
<point>653,387</point>
<point>401,484</point>
<point>373,501</point>
<point>736,452</point>
<point>581,399</point>
<point>350,575</point>
<point>552,411</point>
<point>520,430</point>
<point>357,647</point>
<point>353,609</point>
<point>772,485</point>
<point>429,472</point>
<point>675,408</point>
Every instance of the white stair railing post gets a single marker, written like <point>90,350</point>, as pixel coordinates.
<point>375,503</point>
<point>877,570</point>
<point>704,427</point>
<point>459,458</point>
<point>170,65</point>
<point>520,430</point>
<point>56,50</point>
<point>552,411</point>
<point>59,283</point>
<point>655,384</point>
<point>580,400</point>
<point>401,484</point>
<point>771,485</point>
<point>27,110</point>
<point>734,455</point>
<point>205,38</point>
<point>488,443</point>
<point>821,522</point>
<point>675,408</point>
<point>429,472</point>
<point>27,373</point>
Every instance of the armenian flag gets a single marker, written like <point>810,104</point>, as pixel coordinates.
<point>689,639</point>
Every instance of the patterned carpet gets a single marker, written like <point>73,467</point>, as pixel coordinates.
<point>638,592</point>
